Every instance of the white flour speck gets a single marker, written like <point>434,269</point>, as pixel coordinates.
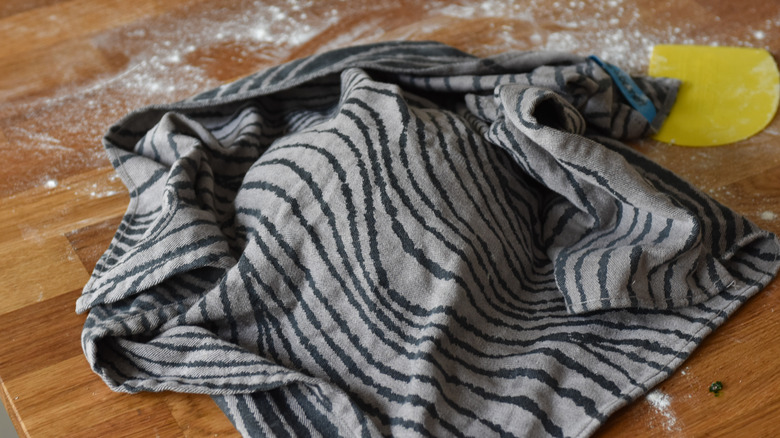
<point>759,34</point>
<point>661,403</point>
<point>52,183</point>
<point>261,33</point>
<point>768,215</point>
<point>658,400</point>
<point>174,58</point>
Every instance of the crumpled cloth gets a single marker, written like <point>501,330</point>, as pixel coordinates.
<point>404,239</point>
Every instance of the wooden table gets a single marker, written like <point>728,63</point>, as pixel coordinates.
<point>68,69</point>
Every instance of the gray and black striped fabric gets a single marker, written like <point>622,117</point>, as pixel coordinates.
<point>404,239</point>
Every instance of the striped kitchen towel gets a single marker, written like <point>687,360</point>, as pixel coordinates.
<point>404,239</point>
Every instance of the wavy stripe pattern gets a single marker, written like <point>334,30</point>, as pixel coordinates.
<point>403,239</point>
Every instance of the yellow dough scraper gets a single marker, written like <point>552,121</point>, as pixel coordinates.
<point>727,93</point>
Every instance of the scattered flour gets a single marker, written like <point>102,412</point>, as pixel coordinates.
<point>614,31</point>
<point>38,139</point>
<point>167,58</point>
<point>189,50</point>
<point>98,194</point>
<point>661,403</point>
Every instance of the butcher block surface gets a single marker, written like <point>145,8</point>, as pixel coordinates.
<point>69,69</point>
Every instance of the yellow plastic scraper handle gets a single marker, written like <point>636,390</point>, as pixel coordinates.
<point>727,93</point>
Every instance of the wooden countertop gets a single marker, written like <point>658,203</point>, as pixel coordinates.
<point>68,69</point>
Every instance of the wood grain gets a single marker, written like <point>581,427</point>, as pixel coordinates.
<point>47,25</point>
<point>68,69</point>
<point>90,242</point>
